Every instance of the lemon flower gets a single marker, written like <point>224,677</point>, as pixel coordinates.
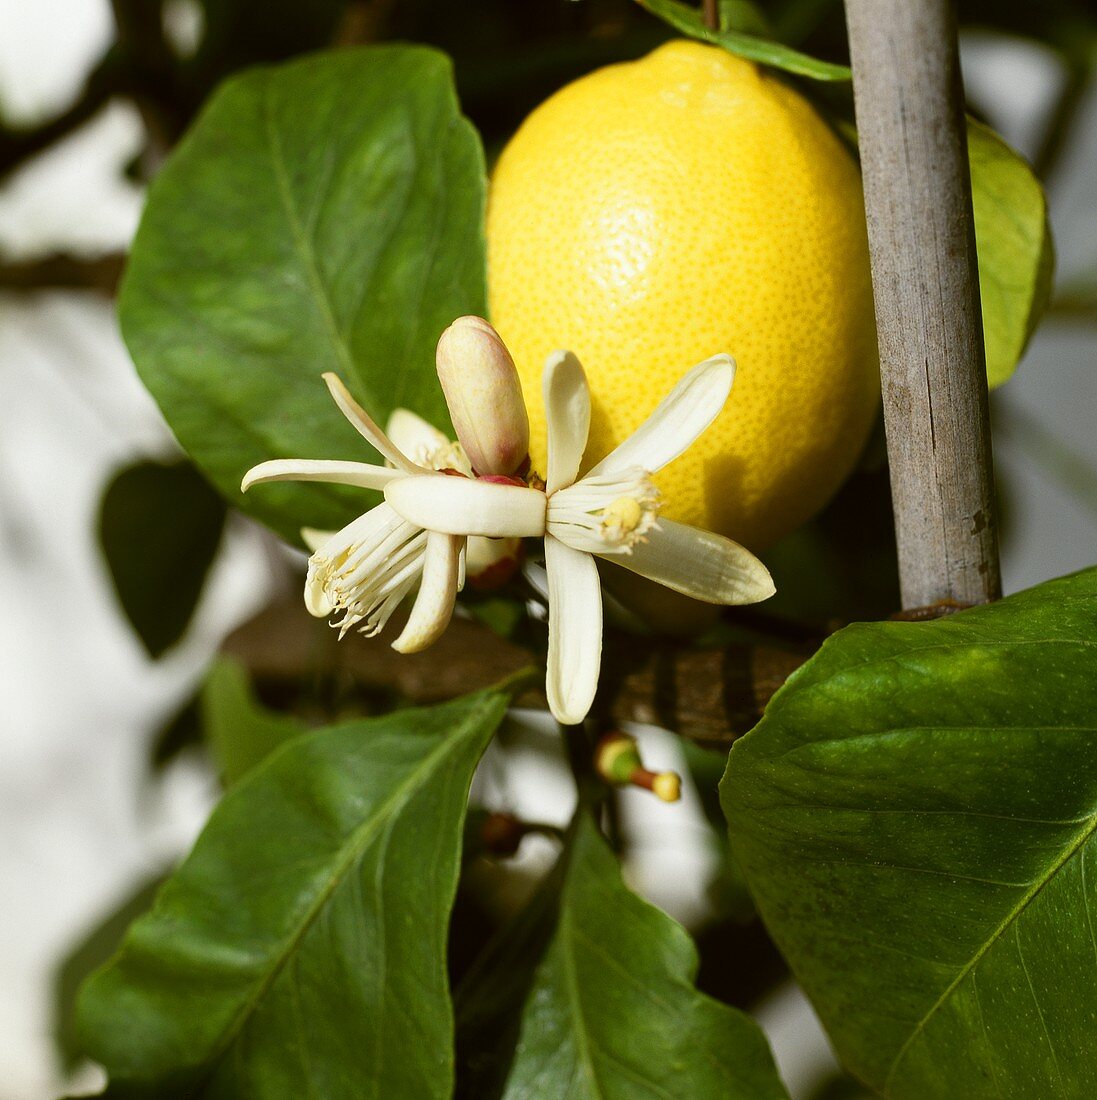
<point>361,573</point>
<point>610,513</point>
<point>489,563</point>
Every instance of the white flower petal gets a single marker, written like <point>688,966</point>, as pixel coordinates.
<point>567,415</point>
<point>412,434</point>
<point>314,537</point>
<point>575,631</point>
<point>462,506</point>
<point>699,564</point>
<point>361,474</point>
<point>433,606</point>
<point>677,421</point>
<point>366,426</point>
<point>538,579</point>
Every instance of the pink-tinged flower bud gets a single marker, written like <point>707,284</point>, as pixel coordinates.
<point>484,396</point>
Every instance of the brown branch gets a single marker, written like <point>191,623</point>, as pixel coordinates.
<point>709,696</point>
<point>19,146</point>
<point>912,138</point>
<point>139,66</point>
<point>61,270</point>
<point>710,12</point>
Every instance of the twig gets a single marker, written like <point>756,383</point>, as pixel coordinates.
<point>709,696</point>
<point>19,146</point>
<point>1074,305</point>
<point>910,118</point>
<point>711,14</point>
<point>61,270</point>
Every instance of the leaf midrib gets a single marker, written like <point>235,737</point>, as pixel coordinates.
<point>1077,842</point>
<point>572,936</point>
<point>306,254</point>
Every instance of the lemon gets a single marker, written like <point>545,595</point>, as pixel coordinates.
<point>657,212</point>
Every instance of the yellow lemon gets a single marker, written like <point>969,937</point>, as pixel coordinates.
<point>657,212</point>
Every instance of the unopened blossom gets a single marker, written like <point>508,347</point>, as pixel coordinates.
<point>484,396</point>
<point>612,513</point>
<point>360,574</point>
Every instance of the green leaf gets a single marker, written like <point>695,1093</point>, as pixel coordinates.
<point>95,949</point>
<point>727,891</point>
<point>688,20</point>
<point>488,1001</point>
<point>240,732</point>
<point>159,526</point>
<point>181,731</point>
<point>300,950</point>
<point>613,1012</point>
<point>323,215</point>
<point>1016,253</point>
<point>915,815</point>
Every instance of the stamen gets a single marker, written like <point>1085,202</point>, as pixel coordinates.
<point>445,458</point>
<point>607,514</point>
<point>367,569</point>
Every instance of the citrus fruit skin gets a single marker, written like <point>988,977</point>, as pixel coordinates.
<point>656,212</point>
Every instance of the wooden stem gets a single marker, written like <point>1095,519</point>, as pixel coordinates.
<point>708,696</point>
<point>62,269</point>
<point>912,138</point>
<point>710,12</point>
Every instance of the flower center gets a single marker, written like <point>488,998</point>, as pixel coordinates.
<point>608,514</point>
<point>446,458</point>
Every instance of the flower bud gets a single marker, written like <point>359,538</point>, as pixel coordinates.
<point>484,396</point>
<point>617,757</point>
<point>617,761</point>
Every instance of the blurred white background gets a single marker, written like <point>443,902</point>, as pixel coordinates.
<point>79,820</point>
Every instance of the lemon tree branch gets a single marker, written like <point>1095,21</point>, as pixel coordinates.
<point>710,696</point>
<point>910,118</point>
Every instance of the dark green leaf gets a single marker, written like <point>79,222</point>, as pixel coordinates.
<point>503,614</point>
<point>489,1000</point>
<point>1016,255</point>
<point>238,33</point>
<point>324,215</point>
<point>915,815</point>
<point>687,19</point>
<point>241,733</point>
<point>159,525</point>
<point>300,948</point>
<point>613,1012</point>
<point>727,890</point>
<point>182,730</point>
